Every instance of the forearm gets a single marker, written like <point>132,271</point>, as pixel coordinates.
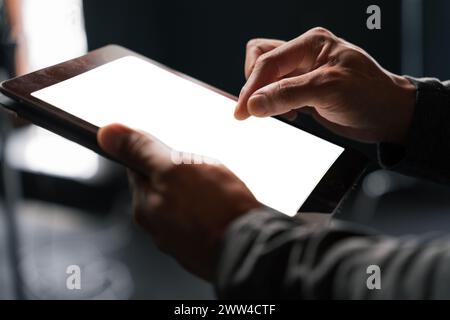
<point>269,255</point>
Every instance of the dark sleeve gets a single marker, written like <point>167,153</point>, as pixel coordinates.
<point>269,255</point>
<point>427,150</point>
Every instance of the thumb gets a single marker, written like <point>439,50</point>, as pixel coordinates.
<point>136,149</point>
<point>285,95</point>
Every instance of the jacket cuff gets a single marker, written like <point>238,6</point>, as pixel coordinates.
<point>428,134</point>
<point>238,241</point>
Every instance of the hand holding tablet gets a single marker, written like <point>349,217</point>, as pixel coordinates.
<point>190,201</point>
<point>282,165</point>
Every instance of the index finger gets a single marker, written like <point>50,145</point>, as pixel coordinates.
<point>256,48</point>
<point>300,53</point>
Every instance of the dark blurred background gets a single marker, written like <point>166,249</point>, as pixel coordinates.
<point>76,210</point>
<point>206,39</point>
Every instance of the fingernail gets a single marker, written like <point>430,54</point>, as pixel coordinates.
<point>258,105</point>
<point>236,112</point>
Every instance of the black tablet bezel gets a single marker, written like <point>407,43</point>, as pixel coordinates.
<point>324,198</point>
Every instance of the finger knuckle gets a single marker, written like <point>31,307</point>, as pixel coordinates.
<point>264,61</point>
<point>286,91</point>
<point>321,31</point>
<point>320,36</point>
<point>350,57</point>
<point>331,78</point>
<point>255,42</point>
<point>135,144</point>
<point>268,64</point>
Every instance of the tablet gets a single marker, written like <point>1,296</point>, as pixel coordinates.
<point>286,168</point>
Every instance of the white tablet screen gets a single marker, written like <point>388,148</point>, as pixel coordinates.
<point>279,163</point>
